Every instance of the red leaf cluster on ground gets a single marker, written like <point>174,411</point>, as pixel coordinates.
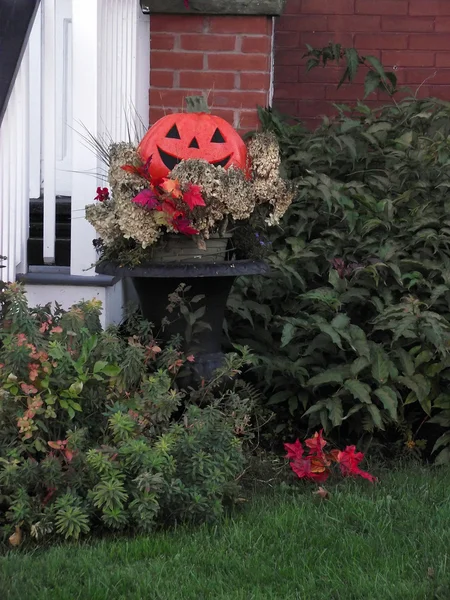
<point>315,465</point>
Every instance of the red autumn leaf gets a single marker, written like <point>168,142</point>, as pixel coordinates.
<point>28,389</point>
<point>302,467</point>
<point>21,339</point>
<point>58,445</point>
<point>147,199</point>
<point>318,465</point>
<point>334,455</point>
<point>349,461</point>
<point>158,181</point>
<point>176,365</point>
<point>184,226</point>
<point>68,454</point>
<point>316,444</point>
<point>294,450</point>
<point>33,371</point>
<point>170,208</point>
<point>193,196</point>
<point>172,187</point>
<point>141,171</point>
<point>322,493</point>
<point>45,326</point>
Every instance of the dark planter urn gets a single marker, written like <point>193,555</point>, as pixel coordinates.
<point>155,281</point>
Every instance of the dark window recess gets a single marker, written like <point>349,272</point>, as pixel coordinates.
<point>36,234</point>
<point>16,20</point>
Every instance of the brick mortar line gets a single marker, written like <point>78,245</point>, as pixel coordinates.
<point>219,72</point>
<point>226,52</point>
<point>191,34</point>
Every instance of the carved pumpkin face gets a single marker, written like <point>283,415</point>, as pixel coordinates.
<point>185,136</point>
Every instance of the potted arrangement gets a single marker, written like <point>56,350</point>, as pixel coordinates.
<point>173,204</point>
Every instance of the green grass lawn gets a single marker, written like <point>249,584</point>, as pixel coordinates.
<point>383,542</point>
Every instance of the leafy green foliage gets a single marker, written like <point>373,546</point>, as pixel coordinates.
<point>86,444</point>
<point>377,78</point>
<point>352,328</point>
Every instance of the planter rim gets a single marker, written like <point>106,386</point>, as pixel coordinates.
<point>235,268</point>
<point>214,7</point>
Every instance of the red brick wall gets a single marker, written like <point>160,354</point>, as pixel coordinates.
<point>412,36</point>
<point>226,57</point>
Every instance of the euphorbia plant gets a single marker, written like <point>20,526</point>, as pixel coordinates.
<point>316,464</point>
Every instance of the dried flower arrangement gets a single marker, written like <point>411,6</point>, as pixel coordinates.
<point>196,198</point>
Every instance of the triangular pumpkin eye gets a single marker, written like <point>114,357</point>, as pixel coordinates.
<point>217,138</point>
<point>174,133</point>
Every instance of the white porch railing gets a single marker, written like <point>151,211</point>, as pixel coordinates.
<point>109,72</point>
<point>14,193</point>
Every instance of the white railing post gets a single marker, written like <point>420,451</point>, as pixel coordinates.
<point>14,176</point>
<point>85,73</point>
<point>22,223</point>
<point>49,118</point>
<point>35,101</point>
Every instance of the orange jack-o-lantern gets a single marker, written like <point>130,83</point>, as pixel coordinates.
<point>184,136</point>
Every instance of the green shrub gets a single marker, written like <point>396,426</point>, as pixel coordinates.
<point>87,445</point>
<point>352,328</point>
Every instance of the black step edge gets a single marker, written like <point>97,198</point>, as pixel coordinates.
<point>66,279</point>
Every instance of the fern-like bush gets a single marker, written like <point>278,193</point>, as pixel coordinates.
<point>352,329</point>
<point>95,432</point>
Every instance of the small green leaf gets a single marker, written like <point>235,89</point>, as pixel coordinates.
<point>335,411</point>
<point>99,366</point>
<point>406,361</point>
<point>371,83</point>
<point>423,357</point>
<point>389,400</point>
<point>293,404</point>
<point>352,62</point>
<point>340,321</point>
<point>380,365</point>
<point>279,397</point>
<point>376,64</point>
<point>359,365</point>
<point>330,376</point>
<point>359,390</point>
<point>111,370</point>
<point>444,440</point>
<point>376,416</point>
<point>406,139</point>
<point>288,334</point>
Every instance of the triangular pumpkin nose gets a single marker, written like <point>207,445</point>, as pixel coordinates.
<point>194,143</point>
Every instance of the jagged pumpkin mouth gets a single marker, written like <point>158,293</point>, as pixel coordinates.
<point>170,161</point>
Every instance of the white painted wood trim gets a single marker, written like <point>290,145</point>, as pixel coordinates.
<point>124,60</point>
<point>23,167</point>
<point>85,90</point>
<point>49,128</point>
<point>35,46</point>
<point>14,188</point>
